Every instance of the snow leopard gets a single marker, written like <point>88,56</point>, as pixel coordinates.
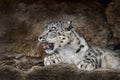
<point>62,44</point>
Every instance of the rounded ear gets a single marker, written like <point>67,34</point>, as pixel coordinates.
<point>69,25</point>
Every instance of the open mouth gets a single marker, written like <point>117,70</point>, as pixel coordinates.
<point>48,46</point>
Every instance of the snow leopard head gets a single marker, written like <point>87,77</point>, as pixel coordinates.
<point>56,35</point>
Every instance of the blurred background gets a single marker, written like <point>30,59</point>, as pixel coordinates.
<point>22,21</point>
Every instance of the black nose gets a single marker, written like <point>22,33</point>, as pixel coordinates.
<point>40,38</point>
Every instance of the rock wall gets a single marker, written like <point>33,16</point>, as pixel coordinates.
<point>113,18</point>
<point>22,22</point>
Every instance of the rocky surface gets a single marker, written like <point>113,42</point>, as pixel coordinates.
<point>20,61</point>
<point>113,18</point>
<point>56,72</point>
<point>22,21</point>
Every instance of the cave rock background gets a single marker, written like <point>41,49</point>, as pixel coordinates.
<point>22,21</point>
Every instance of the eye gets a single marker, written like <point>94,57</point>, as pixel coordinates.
<point>50,30</point>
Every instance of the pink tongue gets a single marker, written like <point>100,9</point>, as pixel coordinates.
<point>46,46</point>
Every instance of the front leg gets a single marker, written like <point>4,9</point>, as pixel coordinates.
<point>52,59</point>
<point>86,65</point>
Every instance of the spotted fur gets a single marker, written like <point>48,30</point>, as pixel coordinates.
<point>69,47</point>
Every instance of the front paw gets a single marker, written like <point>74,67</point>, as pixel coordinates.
<point>52,59</point>
<point>86,66</point>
